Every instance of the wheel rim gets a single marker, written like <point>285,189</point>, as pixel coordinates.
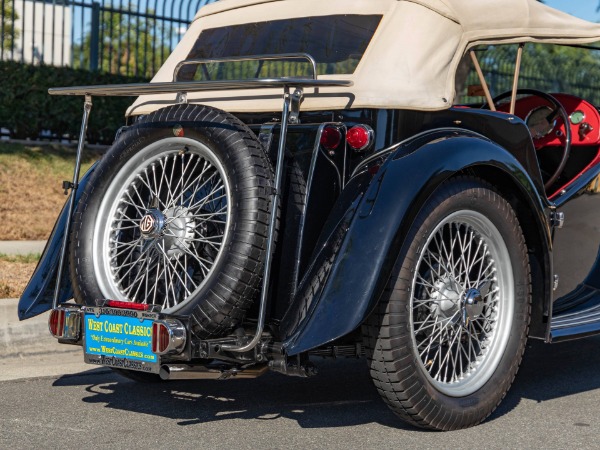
<point>462,303</point>
<point>161,225</point>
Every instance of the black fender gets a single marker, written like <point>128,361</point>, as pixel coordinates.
<point>354,260</point>
<point>38,295</point>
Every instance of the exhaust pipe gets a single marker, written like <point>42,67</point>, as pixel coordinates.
<point>191,372</point>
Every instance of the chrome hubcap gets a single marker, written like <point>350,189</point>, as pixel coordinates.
<point>152,224</point>
<point>472,307</point>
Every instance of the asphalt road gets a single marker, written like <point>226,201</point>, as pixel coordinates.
<point>554,403</point>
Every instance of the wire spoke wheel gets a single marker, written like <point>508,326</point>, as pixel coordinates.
<point>461,302</point>
<point>176,214</point>
<point>163,225</point>
<point>446,340</point>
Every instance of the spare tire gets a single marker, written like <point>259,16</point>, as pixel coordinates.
<point>176,214</point>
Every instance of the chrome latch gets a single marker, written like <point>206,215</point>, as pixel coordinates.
<point>557,219</point>
<point>182,98</point>
<point>555,284</point>
<point>295,100</point>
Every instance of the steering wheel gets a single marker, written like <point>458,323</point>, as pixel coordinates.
<point>557,111</point>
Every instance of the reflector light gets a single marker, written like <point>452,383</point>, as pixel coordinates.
<point>160,338</point>
<point>374,169</point>
<point>56,322</point>
<point>331,138</point>
<point>359,137</point>
<point>127,305</point>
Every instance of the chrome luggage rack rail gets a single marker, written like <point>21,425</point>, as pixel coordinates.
<point>290,111</point>
<point>182,87</point>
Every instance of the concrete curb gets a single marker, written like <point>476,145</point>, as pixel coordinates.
<point>29,337</point>
<point>22,247</point>
<point>27,350</point>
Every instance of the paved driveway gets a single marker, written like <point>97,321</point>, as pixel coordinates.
<point>555,403</point>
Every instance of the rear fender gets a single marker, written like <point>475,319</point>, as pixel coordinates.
<point>354,265</point>
<point>39,293</point>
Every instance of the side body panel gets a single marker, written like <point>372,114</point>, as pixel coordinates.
<point>577,244</point>
<point>355,259</point>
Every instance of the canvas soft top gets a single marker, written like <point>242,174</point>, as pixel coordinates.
<point>410,62</point>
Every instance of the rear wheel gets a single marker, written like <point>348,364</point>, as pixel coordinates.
<point>446,341</point>
<point>176,214</point>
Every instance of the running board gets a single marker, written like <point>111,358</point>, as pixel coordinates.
<point>581,320</point>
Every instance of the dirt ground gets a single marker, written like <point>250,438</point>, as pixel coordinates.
<point>31,194</point>
<point>31,198</point>
<point>14,276</point>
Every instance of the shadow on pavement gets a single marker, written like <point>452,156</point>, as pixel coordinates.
<point>554,371</point>
<point>341,395</point>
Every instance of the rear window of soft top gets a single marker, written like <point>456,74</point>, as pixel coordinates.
<point>337,43</point>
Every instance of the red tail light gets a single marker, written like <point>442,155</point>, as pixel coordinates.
<point>160,338</point>
<point>331,138</point>
<point>65,323</point>
<point>56,323</point>
<point>168,336</point>
<point>127,305</point>
<point>360,137</point>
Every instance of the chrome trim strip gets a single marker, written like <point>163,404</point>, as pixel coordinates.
<point>586,316</point>
<point>384,151</point>
<point>379,154</point>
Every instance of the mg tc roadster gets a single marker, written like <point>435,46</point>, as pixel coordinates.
<point>302,179</point>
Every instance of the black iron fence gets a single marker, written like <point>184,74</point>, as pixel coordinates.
<point>130,38</point>
<point>549,68</point>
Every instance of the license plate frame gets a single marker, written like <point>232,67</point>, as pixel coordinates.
<point>119,338</point>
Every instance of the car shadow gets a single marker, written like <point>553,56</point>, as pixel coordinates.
<point>341,395</point>
<point>553,371</point>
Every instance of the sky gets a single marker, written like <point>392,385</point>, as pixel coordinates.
<point>585,9</point>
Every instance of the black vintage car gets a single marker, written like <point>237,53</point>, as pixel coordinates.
<point>298,180</point>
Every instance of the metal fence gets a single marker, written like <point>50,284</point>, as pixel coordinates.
<point>549,68</point>
<point>116,36</point>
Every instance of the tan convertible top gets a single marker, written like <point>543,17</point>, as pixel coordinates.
<point>410,62</point>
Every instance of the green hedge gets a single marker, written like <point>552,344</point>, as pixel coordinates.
<point>26,108</point>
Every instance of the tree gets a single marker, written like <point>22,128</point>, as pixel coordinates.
<point>550,68</point>
<point>7,25</point>
<point>129,44</point>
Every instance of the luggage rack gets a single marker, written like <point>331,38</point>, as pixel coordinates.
<point>290,112</point>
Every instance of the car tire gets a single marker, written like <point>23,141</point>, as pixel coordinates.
<point>176,214</point>
<point>446,340</point>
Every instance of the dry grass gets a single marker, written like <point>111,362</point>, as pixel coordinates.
<point>30,200</point>
<point>15,272</point>
<point>31,196</point>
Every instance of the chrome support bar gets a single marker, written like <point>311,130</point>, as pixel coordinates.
<point>87,108</point>
<point>259,58</point>
<point>194,372</point>
<point>285,117</point>
<point>136,89</point>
